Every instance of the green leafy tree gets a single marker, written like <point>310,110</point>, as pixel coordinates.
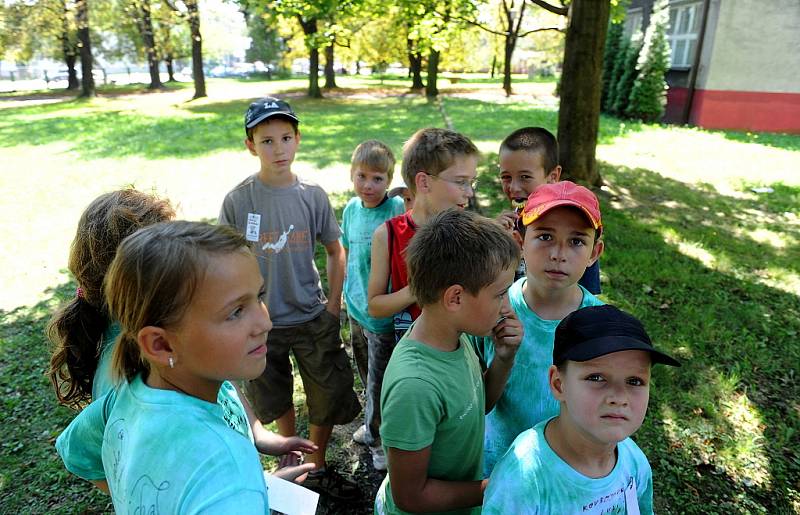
<point>649,93</point>
<point>617,69</point>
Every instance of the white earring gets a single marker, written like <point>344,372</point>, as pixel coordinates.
<point>171,362</point>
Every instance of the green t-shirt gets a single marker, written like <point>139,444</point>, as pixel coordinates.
<point>162,451</point>
<point>531,478</point>
<point>431,398</point>
<point>526,400</point>
<point>358,224</point>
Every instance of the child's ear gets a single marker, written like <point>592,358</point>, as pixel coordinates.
<point>421,181</point>
<point>517,237</point>
<point>452,297</point>
<point>554,175</point>
<point>155,346</point>
<point>297,136</point>
<point>556,383</point>
<point>597,251</point>
<point>251,146</point>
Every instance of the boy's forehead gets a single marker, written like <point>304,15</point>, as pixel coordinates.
<point>520,159</point>
<point>369,170</point>
<point>631,360</point>
<point>462,166</point>
<point>273,125</point>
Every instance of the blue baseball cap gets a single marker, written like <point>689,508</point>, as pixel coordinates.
<point>265,108</point>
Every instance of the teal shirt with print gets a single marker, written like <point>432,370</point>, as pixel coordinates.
<point>358,224</point>
<point>432,398</point>
<point>531,478</point>
<point>526,400</point>
<point>162,451</point>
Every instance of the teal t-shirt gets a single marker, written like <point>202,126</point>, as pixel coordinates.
<point>164,452</point>
<point>358,224</point>
<point>232,410</point>
<point>431,398</point>
<point>526,400</point>
<point>532,478</point>
<point>102,375</point>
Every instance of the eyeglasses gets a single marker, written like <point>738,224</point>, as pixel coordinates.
<point>464,184</point>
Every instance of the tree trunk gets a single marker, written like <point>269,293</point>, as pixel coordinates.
<point>146,28</point>
<point>330,73</point>
<point>508,52</point>
<point>579,110</point>
<point>433,72</point>
<point>197,49</point>
<point>494,65</point>
<point>414,65</point>
<point>82,19</point>
<point>70,52</point>
<point>170,68</point>
<point>309,29</point>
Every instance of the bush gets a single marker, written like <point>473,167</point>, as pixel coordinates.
<point>614,41</point>
<point>627,77</point>
<point>649,94</point>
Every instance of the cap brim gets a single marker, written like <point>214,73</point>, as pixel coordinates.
<point>263,117</point>
<point>530,217</point>
<point>597,347</point>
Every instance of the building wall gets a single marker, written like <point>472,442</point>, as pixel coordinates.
<point>756,47</point>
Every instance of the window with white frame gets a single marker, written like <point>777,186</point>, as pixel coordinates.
<point>684,23</point>
<point>633,22</point>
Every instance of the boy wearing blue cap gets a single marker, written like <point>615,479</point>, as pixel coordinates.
<point>582,460</point>
<point>284,217</point>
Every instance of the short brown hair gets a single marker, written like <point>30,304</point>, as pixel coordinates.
<point>76,329</point>
<point>457,247</point>
<point>534,139</point>
<point>375,156</point>
<point>433,150</point>
<point>153,279</point>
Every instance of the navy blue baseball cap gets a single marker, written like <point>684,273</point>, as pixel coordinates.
<point>595,331</point>
<point>265,108</point>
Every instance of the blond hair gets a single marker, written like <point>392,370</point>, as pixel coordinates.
<point>431,151</point>
<point>373,155</point>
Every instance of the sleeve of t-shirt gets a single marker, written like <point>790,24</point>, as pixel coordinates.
<point>504,493</point>
<point>328,227</point>
<point>644,490</point>
<point>345,219</point>
<point>227,214</point>
<point>81,444</point>
<point>410,413</point>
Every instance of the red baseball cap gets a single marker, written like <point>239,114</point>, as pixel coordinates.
<point>564,193</point>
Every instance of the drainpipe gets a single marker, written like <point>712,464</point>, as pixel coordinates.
<point>687,107</point>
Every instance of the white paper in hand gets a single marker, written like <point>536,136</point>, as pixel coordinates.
<point>290,498</point>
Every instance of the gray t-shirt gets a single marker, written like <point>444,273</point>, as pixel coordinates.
<point>283,225</point>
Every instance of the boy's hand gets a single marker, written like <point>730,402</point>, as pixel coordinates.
<point>507,336</point>
<point>296,473</point>
<point>507,219</point>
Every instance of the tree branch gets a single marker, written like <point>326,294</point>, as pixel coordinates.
<point>559,29</point>
<point>550,7</point>
<point>474,23</point>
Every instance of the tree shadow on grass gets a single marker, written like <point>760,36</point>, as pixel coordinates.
<point>32,477</point>
<point>723,434</point>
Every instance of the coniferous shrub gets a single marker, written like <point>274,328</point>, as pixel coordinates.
<point>649,93</point>
<point>617,70</point>
<point>614,40</point>
<point>627,77</point>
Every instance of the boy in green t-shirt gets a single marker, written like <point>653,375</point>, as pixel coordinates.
<point>435,393</point>
<point>582,460</point>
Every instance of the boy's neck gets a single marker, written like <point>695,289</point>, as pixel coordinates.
<point>590,458</point>
<point>433,329</point>
<point>279,180</point>
<point>551,304</point>
<point>421,212</point>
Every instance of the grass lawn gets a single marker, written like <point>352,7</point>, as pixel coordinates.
<point>711,267</point>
